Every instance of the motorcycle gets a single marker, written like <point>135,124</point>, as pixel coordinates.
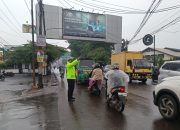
<point>117,100</point>
<point>62,75</point>
<point>2,77</point>
<point>94,90</point>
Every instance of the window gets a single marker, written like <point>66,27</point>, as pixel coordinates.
<point>129,63</point>
<point>166,66</point>
<point>175,66</point>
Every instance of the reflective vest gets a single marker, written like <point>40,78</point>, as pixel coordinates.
<point>70,69</point>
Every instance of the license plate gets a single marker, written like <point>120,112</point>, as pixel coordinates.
<point>122,94</point>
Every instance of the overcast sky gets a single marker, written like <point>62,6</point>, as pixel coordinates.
<point>14,13</point>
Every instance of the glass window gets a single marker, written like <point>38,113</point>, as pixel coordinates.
<point>175,66</point>
<point>141,63</point>
<point>166,66</point>
<point>86,63</point>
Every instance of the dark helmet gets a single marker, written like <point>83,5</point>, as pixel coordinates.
<point>70,59</point>
<point>96,65</point>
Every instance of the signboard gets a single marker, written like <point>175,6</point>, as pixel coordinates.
<point>148,39</point>
<point>27,28</point>
<point>83,24</point>
<point>41,40</point>
<point>40,56</point>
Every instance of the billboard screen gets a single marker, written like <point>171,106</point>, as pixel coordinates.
<point>83,24</point>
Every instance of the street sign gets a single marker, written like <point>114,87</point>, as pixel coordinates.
<point>41,40</point>
<point>40,56</point>
<point>148,39</point>
<point>27,28</point>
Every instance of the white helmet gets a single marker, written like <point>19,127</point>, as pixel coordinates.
<point>115,66</point>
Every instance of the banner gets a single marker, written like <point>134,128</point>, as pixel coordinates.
<point>40,56</point>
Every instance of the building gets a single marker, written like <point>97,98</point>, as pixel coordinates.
<point>164,53</point>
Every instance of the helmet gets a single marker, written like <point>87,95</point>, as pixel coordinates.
<point>115,66</point>
<point>96,65</point>
<point>70,59</point>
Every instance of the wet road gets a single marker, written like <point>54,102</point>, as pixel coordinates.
<point>53,112</point>
<point>90,112</point>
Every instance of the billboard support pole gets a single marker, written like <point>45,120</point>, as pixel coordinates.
<point>33,57</point>
<point>40,64</point>
<point>154,52</point>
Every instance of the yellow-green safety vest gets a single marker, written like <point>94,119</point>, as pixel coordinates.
<point>70,69</point>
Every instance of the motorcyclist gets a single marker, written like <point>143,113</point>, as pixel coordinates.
<point>96,76</point>
<point>116,78</point>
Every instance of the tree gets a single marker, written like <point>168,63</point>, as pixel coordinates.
<point>98,51</point>
<point>23,54</point>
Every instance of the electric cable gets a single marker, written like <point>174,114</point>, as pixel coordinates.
<point>146,18</point>
<point>11,13</point>
<point>68,4</point>
<point>62,3</point>
<point>27,6</point>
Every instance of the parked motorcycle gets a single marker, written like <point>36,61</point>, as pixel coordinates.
<point>62,75</point>
<point>2,77</point>
<point>117,100</point>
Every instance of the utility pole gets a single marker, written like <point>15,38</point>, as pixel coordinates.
<point>33,57</point>
<point>154,52</point>
<point>40,64</point>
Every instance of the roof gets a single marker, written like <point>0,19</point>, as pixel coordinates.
<point>173,49</point>
<point>169,51</point>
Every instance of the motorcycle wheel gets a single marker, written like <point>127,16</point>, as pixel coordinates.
<point>120,106</point>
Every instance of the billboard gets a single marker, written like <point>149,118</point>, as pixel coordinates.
<point>83,24</point>
<point>69,24</point>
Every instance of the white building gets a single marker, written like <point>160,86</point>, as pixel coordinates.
<point>164,53</point>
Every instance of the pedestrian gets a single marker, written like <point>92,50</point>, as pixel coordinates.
<point>71,77</point>
<point>155,73</point>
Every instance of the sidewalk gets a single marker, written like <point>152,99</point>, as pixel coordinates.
<point>50,85</point>
<point>20,87</point>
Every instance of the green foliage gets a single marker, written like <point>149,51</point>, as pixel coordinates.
<point>160,61</point>
<point>98,51</point>
<point>23,54</point>
<point>54,52</point>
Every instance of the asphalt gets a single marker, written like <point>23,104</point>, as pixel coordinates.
<point>48,109</point>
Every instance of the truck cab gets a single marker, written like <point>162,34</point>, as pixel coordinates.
<point>133,64</point>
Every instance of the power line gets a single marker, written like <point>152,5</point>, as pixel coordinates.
<point>165,20</point>
<point>68,4</point>
<point>27,6</point>
<point>169,24</point>
<point>13,25</point>
<point>146,18</point>
<point>117,5</point>
<point>11,13</point>
<point>62,3</point>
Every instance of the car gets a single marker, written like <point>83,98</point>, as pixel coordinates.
<point>167,97</point>
<point>169,69</point>
<point>83,70</point>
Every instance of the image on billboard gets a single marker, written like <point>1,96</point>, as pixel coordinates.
<point>83,24</point>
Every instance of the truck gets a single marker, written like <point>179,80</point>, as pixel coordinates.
<point>132,63</point>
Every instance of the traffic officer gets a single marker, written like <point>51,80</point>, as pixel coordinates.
<point>71,77</point>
